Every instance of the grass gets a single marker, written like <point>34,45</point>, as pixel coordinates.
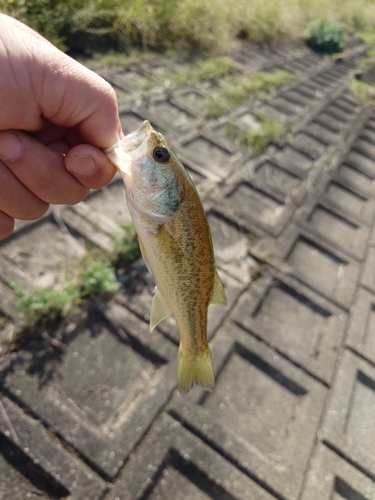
<point>364,92</point>
<point>368,36</point>
<point>208,69</point>
<point>240,88</point>
<point>89,26</point>
<point>98,279</point>
<point>93,276</point>
<point>258,138</point>
<point>43,305</point>
<point>326,35</point>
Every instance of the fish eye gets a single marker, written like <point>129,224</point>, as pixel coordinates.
<point>161,155</point>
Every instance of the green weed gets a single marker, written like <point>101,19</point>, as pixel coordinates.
<point>240,88</point>
<point>93,276</point>
<point>258,138</point>
<point>207,69</point>
<point>364,92</point>
<point>368,36</point>
<point>48,304</point>
<point>98,279</point>
<point>326,35</point>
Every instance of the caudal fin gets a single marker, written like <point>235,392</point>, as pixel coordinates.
<point>195,369</point>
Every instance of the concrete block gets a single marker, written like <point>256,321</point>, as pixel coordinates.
<point>252,207</point>
<point>353,176</point>
<point>368,270</point>
<point>361,325</point>
<point>332,477</point>
<point>266,427</point>
<point>347,199</point>
<point>349,424</point>
<point>291,157</point>
<point>174,464</point>
<point>309,145</point>
<point>100,392</point>
<point>358,158</point>
<point>296,321</point>
<point>318,264</point>
<point>34,464</point>
<point>335,227</point>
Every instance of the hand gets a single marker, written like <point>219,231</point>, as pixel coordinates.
<point>56,116</point>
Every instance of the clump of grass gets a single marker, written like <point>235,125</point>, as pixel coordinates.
<point>98,279</point>
<point>207,69</point>
<point>258,138</point>
<point>47,304</point>
<point>368,36</point>
<point>241,87</point>
<point>126,249</point>
<point>364,92</point>
<point>327,36</point>
<point>93,276</point>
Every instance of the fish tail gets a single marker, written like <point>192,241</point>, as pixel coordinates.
<point>195,369</point>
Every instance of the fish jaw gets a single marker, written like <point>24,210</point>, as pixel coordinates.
<point>130,149</point>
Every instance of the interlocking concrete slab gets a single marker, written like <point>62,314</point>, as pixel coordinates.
<point>320,265</point>
<point>368,270</point>
<point>348,199</point>
<point>98,392</point>
<point>266,427</point>
<point>361,327</point>
<point>296,321</point>
<point>173,464</point>
<point>331,225</point>
<point>349,425</point>
<point>331,477</point>
<point>254,208</point>
<point>36,465</point>
<point>41,254</point>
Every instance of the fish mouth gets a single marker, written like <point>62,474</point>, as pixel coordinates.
<point>130,148</point>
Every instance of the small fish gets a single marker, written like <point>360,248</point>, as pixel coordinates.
<point>175,241</point>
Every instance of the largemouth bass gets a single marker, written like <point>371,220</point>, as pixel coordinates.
<point>175,242</point>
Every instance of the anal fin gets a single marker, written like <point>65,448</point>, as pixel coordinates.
<point>218,296</point>
<point>159,310</point>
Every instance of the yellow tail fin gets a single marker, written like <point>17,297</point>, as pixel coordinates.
<point>195,369</point>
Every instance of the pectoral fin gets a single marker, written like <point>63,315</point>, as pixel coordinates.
<point>144,254</point>
<point>218,296</point>
<point>159,310</point>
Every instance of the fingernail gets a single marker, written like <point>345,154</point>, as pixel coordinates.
<point>82,165</point>
<point>10,146</point>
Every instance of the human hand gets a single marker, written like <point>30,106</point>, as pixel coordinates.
<point>56,116</point>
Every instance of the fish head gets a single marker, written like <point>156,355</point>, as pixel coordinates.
<point>150,170</point>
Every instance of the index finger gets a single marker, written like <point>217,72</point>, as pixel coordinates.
<point>41,82</point>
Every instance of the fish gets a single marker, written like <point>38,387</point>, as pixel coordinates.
<point>175,242</point>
